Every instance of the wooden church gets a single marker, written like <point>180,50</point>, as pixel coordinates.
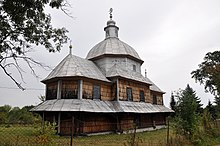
<point>105,92</point>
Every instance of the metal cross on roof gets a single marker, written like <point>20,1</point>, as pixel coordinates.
<point>110,12</point>
<point>70,46</point>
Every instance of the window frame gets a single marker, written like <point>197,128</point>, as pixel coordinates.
<point>154,99</point>
<point>134,68</point>
<point>99,92</point>
<point>142,98</point>
<point>129,91</point>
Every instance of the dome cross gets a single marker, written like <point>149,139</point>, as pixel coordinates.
<point>110,13</point>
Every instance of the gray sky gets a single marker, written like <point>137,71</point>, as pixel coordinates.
<point>171,36</point>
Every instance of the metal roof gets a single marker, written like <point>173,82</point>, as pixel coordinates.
<point>116,70</point>
<point>112,46</point>
<point>154,87</point>
<point>73,65</point>
<point>99,106</point>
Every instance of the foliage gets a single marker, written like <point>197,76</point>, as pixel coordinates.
<point>24,23</point>
<point>27,135</point>
<point>172,102</point>
<point>9,115</point>
<point>186,113</point>
<point>45,134</point>
<point>209,73</point>
<point>4,111</point>
<point>212,110</point>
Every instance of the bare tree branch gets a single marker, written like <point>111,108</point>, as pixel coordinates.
<point>8,74</point>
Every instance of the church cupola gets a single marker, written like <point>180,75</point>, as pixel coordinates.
<point>111,30</point>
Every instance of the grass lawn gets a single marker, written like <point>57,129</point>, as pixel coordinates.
<point>26,135</point>
<point>18,135</point>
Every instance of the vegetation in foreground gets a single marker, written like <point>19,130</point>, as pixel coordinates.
<point>20,135</point>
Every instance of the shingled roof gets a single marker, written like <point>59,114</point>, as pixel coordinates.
<point>117,71</point>
<point>74,66</point>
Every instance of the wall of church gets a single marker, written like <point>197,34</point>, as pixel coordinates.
<point>136,88</point>
<point>159,97</point>
<point>51,90</point>
<point>86,122</point>
<point>105,89</point>
<point>125,63</point>
<point>69,89</point>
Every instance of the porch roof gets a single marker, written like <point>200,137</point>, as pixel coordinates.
<point>98,106</point>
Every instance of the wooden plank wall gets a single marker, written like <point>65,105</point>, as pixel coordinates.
<point>146,120</point>
<point>51,90</point>
<point>70,85</point>
<point>160,119</point>
<point>95,123</point>
<point>159,97</point>
<point>126,122</point>
<point>136,88</point>
<point>88,89</point>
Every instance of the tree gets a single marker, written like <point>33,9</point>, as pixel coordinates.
<point>209,74</point>
<point>212,110</point>
<point>4,111</point>
<point>23,23</point>
<point>186,112</point>
<point>172,102</point>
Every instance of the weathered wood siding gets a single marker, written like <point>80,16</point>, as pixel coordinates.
<point>51,91</point>
<point>126,122</point>
<point>106,93</point>
<point>145,120</point>
<point>159,119</point>
<point>136,88</point>
<point>158,95</point>
<point>98,123</point>
<point>69,89</point>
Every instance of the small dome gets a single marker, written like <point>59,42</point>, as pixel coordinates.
<point>112,46</point>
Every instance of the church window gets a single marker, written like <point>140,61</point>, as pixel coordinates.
<point>134,67</point>
<point>142,96</point>
<point>51,92</point>
<point>129,94</point>
<point>154,99</point>
<point>96,92</point>
<point>68,93</point>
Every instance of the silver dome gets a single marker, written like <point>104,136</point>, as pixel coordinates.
<point>112,45</point>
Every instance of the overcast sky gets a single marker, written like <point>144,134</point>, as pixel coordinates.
<point>172,37</point>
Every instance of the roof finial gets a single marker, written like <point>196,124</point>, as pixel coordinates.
<point>70,46</point>
<point>110,13</point>
<point>145,73</point>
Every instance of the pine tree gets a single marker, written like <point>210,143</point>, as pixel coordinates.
<point>172,102</point>
<point>186,112</point>
<point>197,100</point>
